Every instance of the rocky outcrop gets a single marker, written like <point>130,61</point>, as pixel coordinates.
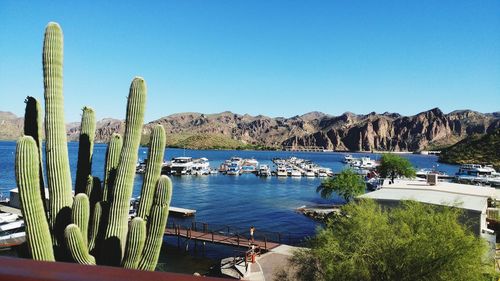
<point>11,126</point>
<point>347,132</point>
<point>393,132</point>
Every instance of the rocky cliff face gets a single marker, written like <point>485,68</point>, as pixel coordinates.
<point>393,132</point>
<point>387,131</point>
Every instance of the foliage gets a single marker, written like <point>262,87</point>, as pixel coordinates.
<point>392,166</point>
<point>91,227</point>
<point>347,185</point>
<point>413,242</point>
<point>483,149</point>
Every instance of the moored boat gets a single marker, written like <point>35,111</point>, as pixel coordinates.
<point>264,170</point>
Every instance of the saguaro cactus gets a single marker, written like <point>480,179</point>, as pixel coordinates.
<point>56,147</point>
<point>86,146</point>
<point>33,127</point>
<point>120,201</point>
<point>89,231</point>
<point>27,177</point>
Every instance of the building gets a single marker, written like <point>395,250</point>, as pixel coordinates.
<point>473,200</point>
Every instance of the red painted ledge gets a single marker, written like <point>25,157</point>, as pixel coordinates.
<point>17,269</point>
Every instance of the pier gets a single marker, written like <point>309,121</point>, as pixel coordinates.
<point>230,236</point>
<point>181,212</point>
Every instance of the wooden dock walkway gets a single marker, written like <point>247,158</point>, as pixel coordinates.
<point>220,238</point>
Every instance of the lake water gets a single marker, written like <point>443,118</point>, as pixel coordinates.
<point>241,201</point>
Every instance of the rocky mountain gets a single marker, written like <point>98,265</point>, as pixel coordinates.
<point>392,132</point>
<point>11,126</point>
<point>477,149</point>
<point>387,131</point>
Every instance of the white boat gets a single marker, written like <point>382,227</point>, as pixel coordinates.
<point>365,163</point>
<point>476,170</point>
<point>422,173</point>
<point>181,165</point>
<point>12,230</point>
<point>310,174</point>
<point>478,174</point>
<point>12,225</point>
<point>281,171</point>
<point>322,173</point>
<point>249,166</point>
<point>233,169</point>
<point>295,173</point>
<point>264,170</point>
<point>348,159</point>
<point>8,218</point>
<point>200,167</point>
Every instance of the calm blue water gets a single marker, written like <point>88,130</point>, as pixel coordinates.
<point>241,201</point>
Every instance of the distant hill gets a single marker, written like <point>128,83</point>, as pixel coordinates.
<point>430,129</point>
<point>11,126</point>
<point>483,149</point>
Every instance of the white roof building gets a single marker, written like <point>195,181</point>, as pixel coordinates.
<point>472,199</point>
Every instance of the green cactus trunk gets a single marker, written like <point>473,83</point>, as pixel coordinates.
<point>156,224</point>
<point>80,214</point>
<point>56,149</point>
<point>116,232</point>
<point>111,165</point>
<point>135,243</point>
<point>97,226</point>
<point>153,170</point>
<point>85,149</point>
<point>27,177</point>
<point>33,127</point>
<point>77,246</point>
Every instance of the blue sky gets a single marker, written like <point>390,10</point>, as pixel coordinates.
<point>277,58</point>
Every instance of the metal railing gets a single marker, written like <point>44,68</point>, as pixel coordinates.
<point>241,234</point>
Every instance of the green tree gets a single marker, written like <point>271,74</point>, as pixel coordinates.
<point>347,185</point>
<point>392,166</point>
<point>413,242</point>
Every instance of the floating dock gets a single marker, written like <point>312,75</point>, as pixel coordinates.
<point>182,212</point>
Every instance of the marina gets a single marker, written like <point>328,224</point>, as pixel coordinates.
<point>268,201</point>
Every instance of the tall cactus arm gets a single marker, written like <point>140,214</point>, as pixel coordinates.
<point>135,243</point>
<point>94,226</point>
<point>116,231</point>
<point>156,224</point>
<point>93,192</point>
<point>85,149</point>
<point>76,245</point>
<point>80,214</point>
<point>111,165</point>
<point>153,170</point>
<point>58,173</point>
<point>27,177</point>
<point>33,123</point>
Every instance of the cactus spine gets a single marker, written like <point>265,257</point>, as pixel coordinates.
<point>153,170</point>
<point>27,177</point>
<point>86,146</point>
<point>56,149</point>
<point>120,201</point>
